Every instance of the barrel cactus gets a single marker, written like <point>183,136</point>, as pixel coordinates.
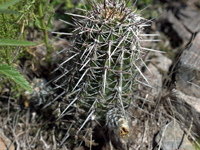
<point>100,76</point>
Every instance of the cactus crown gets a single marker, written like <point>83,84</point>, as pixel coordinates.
<point>111,11</point>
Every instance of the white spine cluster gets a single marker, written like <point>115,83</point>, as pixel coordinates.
<point>118,121</point>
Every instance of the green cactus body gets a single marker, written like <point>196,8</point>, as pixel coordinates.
<point>104,58</point>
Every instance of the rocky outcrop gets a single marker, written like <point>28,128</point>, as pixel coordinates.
<point>182,23</point>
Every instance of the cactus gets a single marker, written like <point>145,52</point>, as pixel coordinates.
<point>100,75</point>
<point>39,95</point>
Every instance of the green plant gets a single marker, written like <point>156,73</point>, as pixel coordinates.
<point>6,62</point>
<point>101,74</point>
<point>37,15</point>
<point>8,30</point>
<point>29,16</point>
<point>42,7</point>
<point>15,22</point>
<point>13,74</point>
<point>151,6</point>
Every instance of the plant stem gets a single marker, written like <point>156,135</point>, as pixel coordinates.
<point>44,29</point>
<point>6,48</point>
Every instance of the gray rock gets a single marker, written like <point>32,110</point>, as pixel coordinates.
<point>155,79</point>
<point>184,20</point>
<point>192,101</point>
<point>162,61</point>
<point>179,28</point>
<point>189,17</point>
<point>188,70</point>
<point>153,75</point>
<point>186,109</point>
<point>171,137</point>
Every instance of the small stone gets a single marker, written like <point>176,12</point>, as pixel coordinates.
<point>155,79</point>
<point>162,61</point>
<point>5,143</point>
<point>192,101</point>
<point>153,75</point>
<point>171,137</point>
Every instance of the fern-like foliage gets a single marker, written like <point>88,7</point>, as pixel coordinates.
<point>13,74</point>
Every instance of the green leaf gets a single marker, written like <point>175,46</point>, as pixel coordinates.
<point>38,22</point>
<point>11,42</point>
<point>15,76</point>
<point>7,4</point>
<point>8,11</point>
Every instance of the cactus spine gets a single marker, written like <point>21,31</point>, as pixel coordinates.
<point>101,72</point>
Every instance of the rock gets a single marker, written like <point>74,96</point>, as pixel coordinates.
<point>155,79</point>
<point>186,109</point>
<point>171,137</point>
<point>159,63</point>
<point>185,103</point>
<point>192,101</point>
<point>189,17</point>
<point>181,21</point>
<point>5,143</point>
<point>188,70</point>
<point>179,28</point>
